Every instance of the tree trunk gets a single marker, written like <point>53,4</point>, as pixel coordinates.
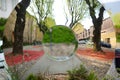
<point>19,26</point>
<point>97,37</point>
<point>97,31</point>
<point>97,24</point>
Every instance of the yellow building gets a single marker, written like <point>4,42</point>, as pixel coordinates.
<point>77,29</point>
<point>108,33</point>
<point>31,31</point>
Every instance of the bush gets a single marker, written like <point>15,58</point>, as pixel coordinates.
<point>59,34</point>
<point>2,23</point>
<point>78,73</point>
<point>81,73</point>
<point>118,37</point>
<point>108,77</point>
<point>39,77</point>
<point>32,77</point>
<point>92,76</point>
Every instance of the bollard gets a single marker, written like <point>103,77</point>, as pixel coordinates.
<point>117,60</point>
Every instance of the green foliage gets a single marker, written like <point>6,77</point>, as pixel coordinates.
<point>78,73</point>
<point>39,77</point>
<point>116,20</point>
<point>44,9</point>
<point>108,77</point>
<point>2,23</point>
<point>92,76</point>
<point>1,31</point>
<point>32,77</point>
<point>49,22</point>
<point>13,71</point>
<point>77,10</point>
<point>118,37</point>
<point>117,26</point>
<point>59,34</point>
<point>118,70</point>
<point>81,74</point>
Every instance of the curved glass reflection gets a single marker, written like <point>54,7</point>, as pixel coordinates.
<point>59,43</point>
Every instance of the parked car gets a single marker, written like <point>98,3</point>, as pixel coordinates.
<point>89,42</point>
<point>82,42</point>
<point>104,44</point>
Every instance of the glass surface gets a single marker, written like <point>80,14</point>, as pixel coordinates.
<point>59,43</point>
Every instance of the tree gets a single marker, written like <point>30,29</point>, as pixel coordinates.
<point>2,23</point>
<point>41,9</point>
<point>77,10</point>
<point>49,22</point>
<point>19,26</point>
<point>97,22</point>
<point>116,20</point>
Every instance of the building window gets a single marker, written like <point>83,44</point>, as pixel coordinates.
<point>107,40</point>
<point>3,5</point>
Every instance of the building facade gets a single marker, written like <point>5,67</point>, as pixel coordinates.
<point>31,31</point>
<point>108,33</point>
<point>78,29</point>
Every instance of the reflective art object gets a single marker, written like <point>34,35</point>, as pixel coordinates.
<point>59,43</point>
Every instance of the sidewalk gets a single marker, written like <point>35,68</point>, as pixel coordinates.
<point>112,71</point>
<point>43,64</point>
<point>47,65</point>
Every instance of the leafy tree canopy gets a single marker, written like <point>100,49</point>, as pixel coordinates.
<point>116,20</point>
<point>59,34</point>
<point>2,21</point>
<point>77,10</point>
<point>49,22</point>
<point>41,9</point>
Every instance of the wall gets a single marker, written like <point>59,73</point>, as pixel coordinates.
<point>31,31</point>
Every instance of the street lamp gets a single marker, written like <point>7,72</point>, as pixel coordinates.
<point>51,39</point>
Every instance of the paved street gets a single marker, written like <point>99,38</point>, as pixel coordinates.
<point>46,65</point>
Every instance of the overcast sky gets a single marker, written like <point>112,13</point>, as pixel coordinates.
<point>59,15</point>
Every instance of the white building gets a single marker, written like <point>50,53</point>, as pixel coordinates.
<point>6,7</point>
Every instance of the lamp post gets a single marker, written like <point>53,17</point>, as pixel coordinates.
<point>51,39</point>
